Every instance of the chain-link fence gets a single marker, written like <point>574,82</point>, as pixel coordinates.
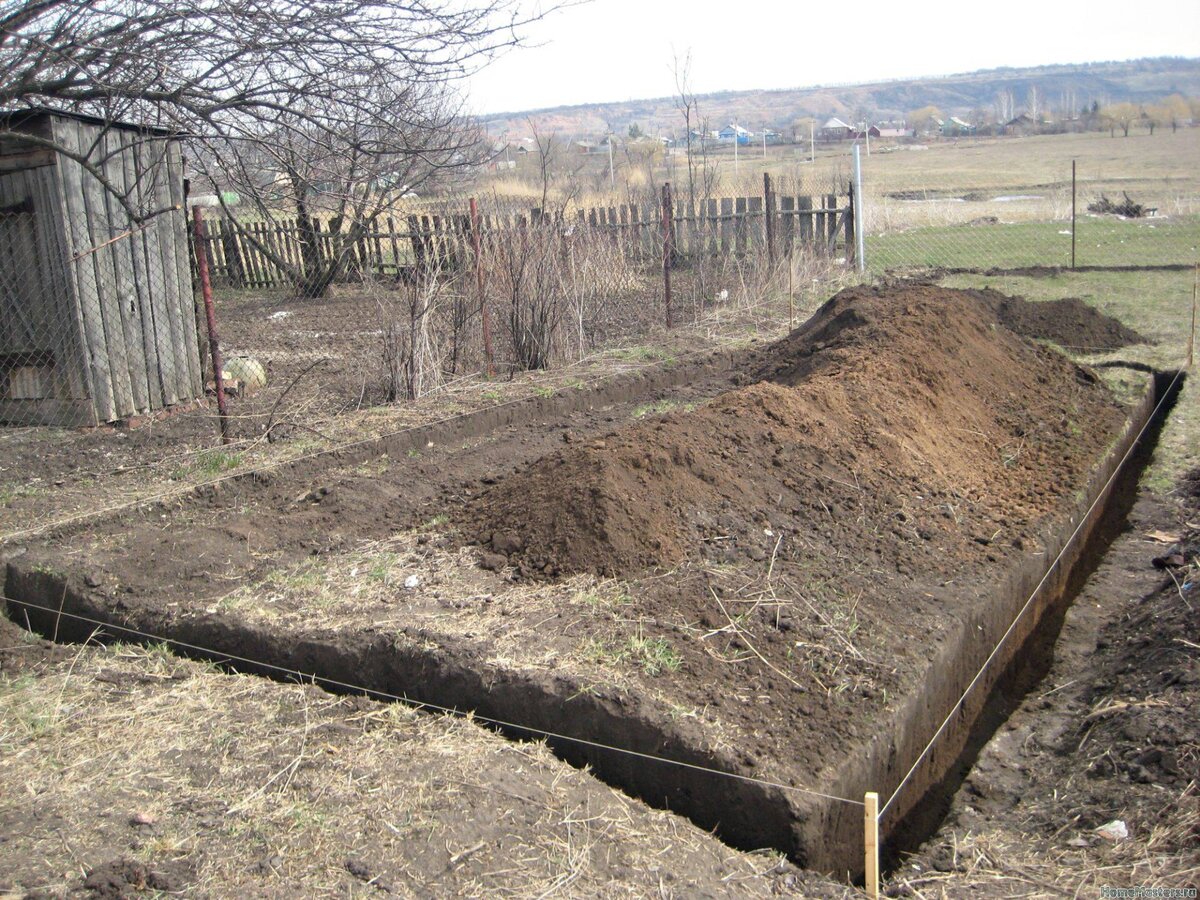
<point>414,300</point>
<point>102,320</point>
<point>326,320</point>
<point>1069,201</point>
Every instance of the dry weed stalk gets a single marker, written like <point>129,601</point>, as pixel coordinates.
<point>413,351</point>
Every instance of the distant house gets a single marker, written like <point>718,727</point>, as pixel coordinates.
<point>956,127</point>
<point>730,131</point>
<point>771,137</point>
<point>871,132</point>
<point>498,158</point>
<point>587,148</point>
<point>836,130</point>
<point>1022,124</point>
<point>895,133</point>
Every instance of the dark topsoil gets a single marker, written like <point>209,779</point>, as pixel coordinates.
<point>1068,322</point>
<point>844,497</point>
<point>861,432</point>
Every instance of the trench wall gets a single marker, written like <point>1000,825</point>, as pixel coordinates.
<point>834,831</point>
<point>820,834</point>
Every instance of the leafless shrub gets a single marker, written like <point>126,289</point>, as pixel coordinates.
<point>524,274</point>
<point>412,342</point>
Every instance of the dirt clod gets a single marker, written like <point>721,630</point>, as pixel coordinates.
<point>126,877</point>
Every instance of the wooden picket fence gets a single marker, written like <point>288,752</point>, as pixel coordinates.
<point>393,247</point>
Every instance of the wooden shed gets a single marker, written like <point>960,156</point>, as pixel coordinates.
<point>97,312</point>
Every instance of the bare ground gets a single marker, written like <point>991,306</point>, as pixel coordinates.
<point>1110,734</point>
<point>796,607</point>
<point>125,770</point>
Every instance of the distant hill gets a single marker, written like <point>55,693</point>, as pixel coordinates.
<point>1055,89</point>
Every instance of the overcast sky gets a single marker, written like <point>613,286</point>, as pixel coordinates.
<point>622,49</point>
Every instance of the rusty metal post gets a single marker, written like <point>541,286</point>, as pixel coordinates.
<point>667,248</point>
<point>210,316</point>
<point>483,309</point>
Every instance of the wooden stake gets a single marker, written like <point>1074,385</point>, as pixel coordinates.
<point>871,843</point>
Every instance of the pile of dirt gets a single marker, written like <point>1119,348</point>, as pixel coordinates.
<point>906,423</point>
<point>1068,322</point>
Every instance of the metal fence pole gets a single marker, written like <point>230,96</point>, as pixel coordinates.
<point>1072,214</point>
<point>667,248</point>
<point>857,211</point>
<point>210,316</point>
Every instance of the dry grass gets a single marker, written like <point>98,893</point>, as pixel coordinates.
<point>1155,169</point>
<point>1007,862</point>
<point>244,787</point>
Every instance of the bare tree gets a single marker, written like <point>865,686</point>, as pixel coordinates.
<point>686,103</point>
<point>347,177</point>
<point>246,70</point>
<point>1005,106</point>
<point>547,150</point>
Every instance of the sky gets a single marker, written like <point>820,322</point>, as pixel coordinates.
<point>613,50</point>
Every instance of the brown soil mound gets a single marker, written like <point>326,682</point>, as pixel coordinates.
<point>901,423</point>
<point>1068,322</point>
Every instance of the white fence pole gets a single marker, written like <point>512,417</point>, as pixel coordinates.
<point>860,224</point>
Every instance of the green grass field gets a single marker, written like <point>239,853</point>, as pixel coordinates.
<point>1100,241</point>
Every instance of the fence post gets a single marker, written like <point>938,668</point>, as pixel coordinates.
<point>666,235</point>
<point>1192,332</point>
<point>210,316</point>
<point>871,844</point>
<point>856,210</point>
<point>418,245</point>
<point>1072,215</point>
<point>769,211</point>
<point>483,310</point>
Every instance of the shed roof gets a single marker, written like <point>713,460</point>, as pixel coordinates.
<point>14,118</point>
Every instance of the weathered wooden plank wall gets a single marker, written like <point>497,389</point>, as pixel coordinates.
<point>132,291</point>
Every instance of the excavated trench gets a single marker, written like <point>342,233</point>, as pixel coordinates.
<point>1032,660</point>
<point>817,832</point>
